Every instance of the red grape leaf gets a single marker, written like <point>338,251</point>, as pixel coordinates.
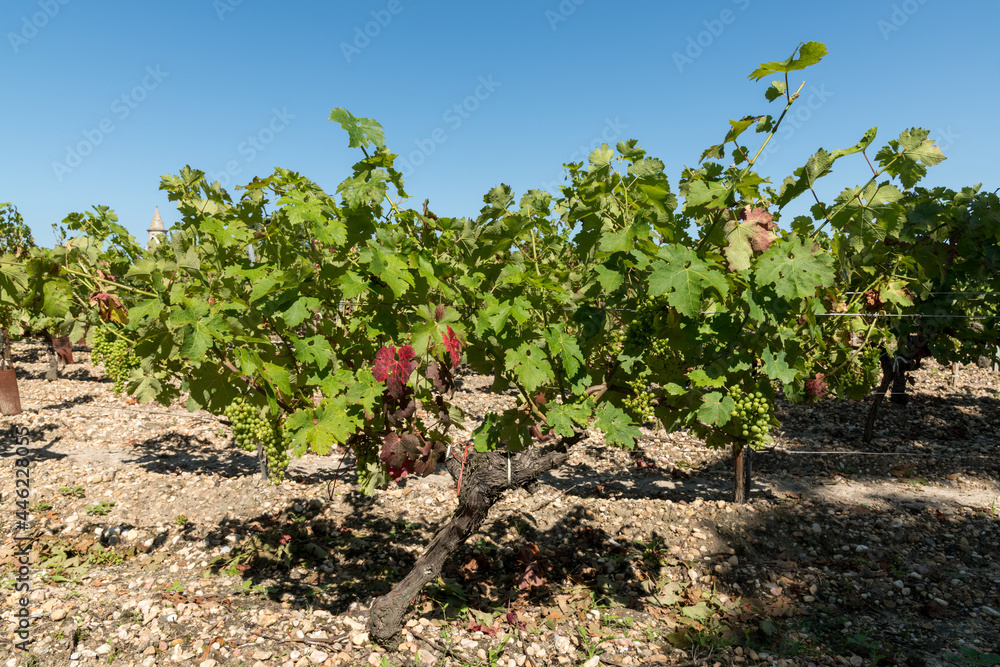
<point>454,347</point>
<point>401,471</point>
<point>392,451</point>
<point>763,226</point>
<point>394,370</point>
<point>402,414</point>
<point>816,386</point>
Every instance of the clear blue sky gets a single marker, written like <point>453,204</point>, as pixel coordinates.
<point>102,98</point>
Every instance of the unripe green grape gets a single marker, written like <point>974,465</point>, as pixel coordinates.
<point>751,416</point>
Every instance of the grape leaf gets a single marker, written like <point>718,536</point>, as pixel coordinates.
<point>610,279</point>
<point>278,377</point>
<point>453,347</point>
<point>796,267</point>
<point>684,278</point>
<point>563,416</point>
<point>754,234</point>
<point>810,53</point>
<point>895,292</point>
<point>616,426</point>
<point>302,308</point>
<point>776,90</point>
<point>323,427</point>
<point>870,214</point>
<point>909,157</point>
<point>364,391</point>
<point>739,252</point>
<point>700,378</point>
<point>716,408</point>
<point>392,453</point>
<point>484,437</point>
<point>394,366</point>
<point>706,192</point>
<point>564,347</point>
<point>57,295</point>
<point>314,350</point>
<point>143,309</point>
<point>360,131</point>
<point>532,368</point>
<point>776,368</point>
<point>147,389</point>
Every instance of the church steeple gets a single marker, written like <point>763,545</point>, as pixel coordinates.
<point>156,228</point>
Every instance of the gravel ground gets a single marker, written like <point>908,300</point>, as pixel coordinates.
<point>155,542</point>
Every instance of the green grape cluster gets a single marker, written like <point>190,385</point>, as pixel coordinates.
<point>249,429</point>
<point>862,374</point>
<point>116,356</point>
<point>665,362</point>
<point>277,455</point>
<point>367,453</point>
<point>752,417</point>
<point>614,342</point>
<point>639,406</point>
<point>640,331</point>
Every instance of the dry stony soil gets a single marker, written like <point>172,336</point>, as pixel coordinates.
<point>153,541</point>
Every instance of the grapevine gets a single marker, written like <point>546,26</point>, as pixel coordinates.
<point>611,294</point>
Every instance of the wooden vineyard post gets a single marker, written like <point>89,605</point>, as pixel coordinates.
<point>10,398</point>
<point>63,349</point>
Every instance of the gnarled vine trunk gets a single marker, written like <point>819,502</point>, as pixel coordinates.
<point>894,370</point>
<point>485,478</point>
<point>5,348</point>
<point>888,375</point>
<point>744,473</point>
<point>52,373</point>
<point>262,461</point>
